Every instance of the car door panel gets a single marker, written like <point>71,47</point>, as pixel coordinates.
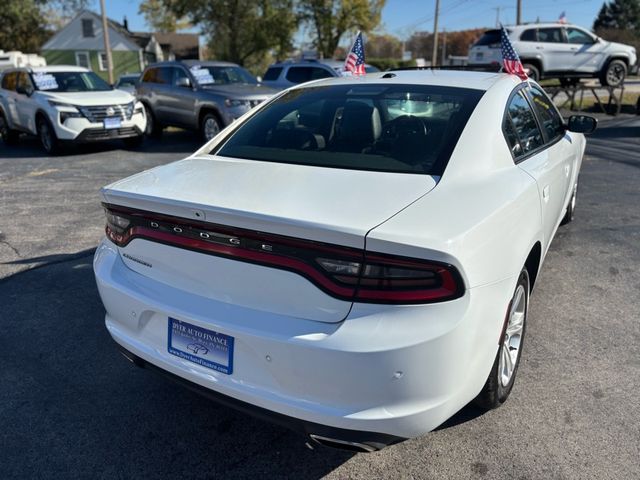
<point>181,102</point>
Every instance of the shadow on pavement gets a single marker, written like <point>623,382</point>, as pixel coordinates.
<point>172,141</point>
<point>72,406</point>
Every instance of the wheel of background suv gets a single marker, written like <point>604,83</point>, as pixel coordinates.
<point>503,373</point>
<point>534,71</point>
<point>209,126</point>
<point>8,136</point>
<point>133,142</point>
<point>568,216</point>
<point>47,136</point>
<point>614,73</point>
<point>153,128</point>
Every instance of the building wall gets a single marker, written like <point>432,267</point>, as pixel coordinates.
<point>123,61</point>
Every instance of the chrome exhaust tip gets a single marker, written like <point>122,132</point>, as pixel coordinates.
<point>342,444</point>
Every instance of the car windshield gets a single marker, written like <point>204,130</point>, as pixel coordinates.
<point>392,128</point>
<point>69,82</point>
<point>127,81</point>
<point>225,75</point>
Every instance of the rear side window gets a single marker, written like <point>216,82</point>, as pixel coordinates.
<point>529,35</point>
<point>547,113</point>
<point>299,74</point>
<point>550,35</point>
<point>161,75</point>
<point>490,38</point>
<point>150,75</point>
<point>272,73</point>
<point>9,81</point>
<point>391,128</point>
<point>529,137</point>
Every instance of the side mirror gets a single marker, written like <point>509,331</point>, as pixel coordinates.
<point>21,89</point>
<point>183,82</point>
<point>582,124</point>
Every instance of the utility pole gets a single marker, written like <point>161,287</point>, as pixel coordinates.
<point>434,54</point>
<point>497,9</point>
<point>444,46</point>
<point>519,12</point>
<point>107,44</point>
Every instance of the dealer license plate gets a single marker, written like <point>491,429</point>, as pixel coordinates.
<point>198,345</point>
<point>112,122</point>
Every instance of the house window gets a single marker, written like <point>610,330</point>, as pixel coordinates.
<point>87,28</point>
<point>82,59</point>
<point>102,61</point>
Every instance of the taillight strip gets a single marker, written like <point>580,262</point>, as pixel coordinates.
<point>295,255</point>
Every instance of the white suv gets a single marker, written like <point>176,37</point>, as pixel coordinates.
<point>554,50</point>
<point>66,103</point>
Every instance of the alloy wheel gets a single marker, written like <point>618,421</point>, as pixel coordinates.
<point>211,128</point>
<point>512,340</point>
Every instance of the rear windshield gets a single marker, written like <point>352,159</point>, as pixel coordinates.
<point>489,38</point>
<point>391,128</point>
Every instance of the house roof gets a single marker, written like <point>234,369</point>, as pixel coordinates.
<point>183,45</point>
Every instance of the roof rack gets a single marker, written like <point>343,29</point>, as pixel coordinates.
<point>493,68</point>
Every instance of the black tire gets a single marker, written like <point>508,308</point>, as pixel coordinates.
<point>495,391</point>
<point>534,72</point>
<point>47,136</point>
<point>133,142</point>
<point>209,126</point>
<point>7,135</point>
<point>153,128</point>
<point>571,208</point>
<point>613,74</point>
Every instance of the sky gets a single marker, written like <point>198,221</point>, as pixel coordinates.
<point>402,17</point>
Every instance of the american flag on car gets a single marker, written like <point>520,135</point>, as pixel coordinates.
<point>355,60</point>
<point>510,60</point>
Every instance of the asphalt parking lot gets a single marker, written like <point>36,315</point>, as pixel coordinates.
<point>72,407</point>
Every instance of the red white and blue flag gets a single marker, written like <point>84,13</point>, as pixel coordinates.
<point>510,60</point>
<point>562,18</point>
<point>354,62</point>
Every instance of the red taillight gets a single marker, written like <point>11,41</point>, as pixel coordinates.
<point>342,272</point>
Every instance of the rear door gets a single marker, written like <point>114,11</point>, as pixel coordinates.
<point>10,98</point>
<point>540,156</point>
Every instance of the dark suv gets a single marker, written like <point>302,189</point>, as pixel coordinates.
<point>198,95</point>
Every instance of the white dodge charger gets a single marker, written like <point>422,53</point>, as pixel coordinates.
<point>353,258</point>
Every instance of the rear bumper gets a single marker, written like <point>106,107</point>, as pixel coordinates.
<point>384,374</point>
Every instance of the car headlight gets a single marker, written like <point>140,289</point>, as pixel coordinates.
<point>231,102</point>
<point>57,104</point>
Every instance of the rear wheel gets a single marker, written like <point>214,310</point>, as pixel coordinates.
<point>614,73</point>
<point>505,366</point>
<point>532,71</point>
<point>8,136</point>
<point>568,216</point>
<point>47,136</point>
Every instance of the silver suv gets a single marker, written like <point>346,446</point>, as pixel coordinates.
<point>554,50</point>
<point>197,95</point>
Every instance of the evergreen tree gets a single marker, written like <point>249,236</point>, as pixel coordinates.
<point>619,15</point>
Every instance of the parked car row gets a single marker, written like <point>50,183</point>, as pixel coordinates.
<point>555,50</point>
<point>66,104</point>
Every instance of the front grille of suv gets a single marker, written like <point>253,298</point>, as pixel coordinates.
<point>98,113</point>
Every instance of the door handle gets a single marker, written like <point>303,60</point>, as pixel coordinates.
<point>545,193</point>
<point>539,48</point>
<point>567,169</point>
